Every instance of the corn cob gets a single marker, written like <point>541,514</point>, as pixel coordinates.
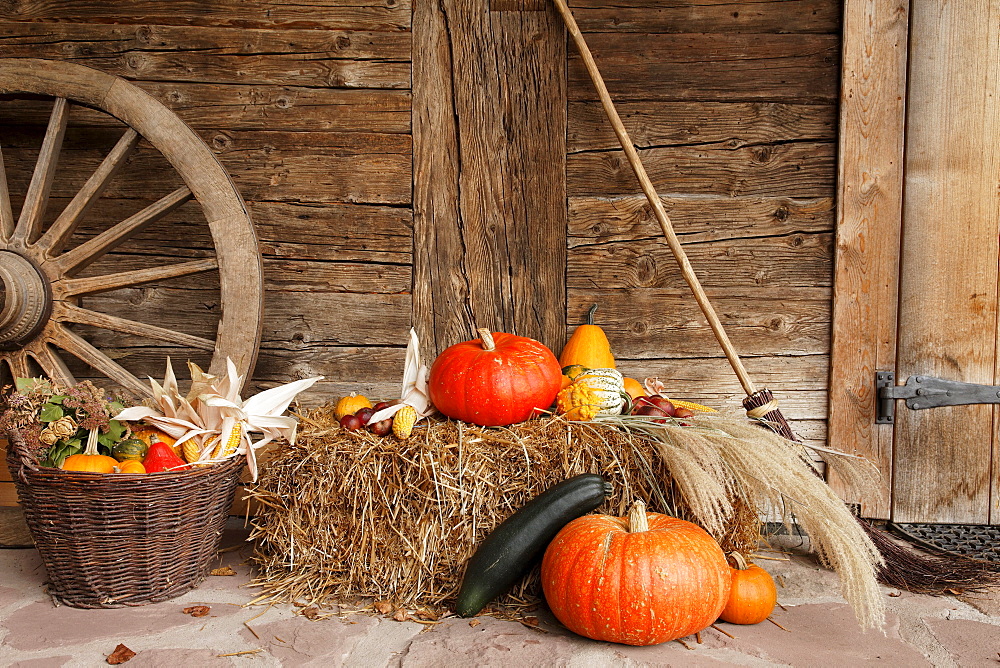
<point>693,406</point>
<point>224,448</point>
<point>403,421</point>
<point>190,450</point>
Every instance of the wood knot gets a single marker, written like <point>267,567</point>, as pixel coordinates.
<point>781,214</point>
<point>343,42</point>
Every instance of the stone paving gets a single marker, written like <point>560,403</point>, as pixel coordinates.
<point>817,629</point>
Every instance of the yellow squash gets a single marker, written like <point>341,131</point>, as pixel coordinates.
<point>588,347</point>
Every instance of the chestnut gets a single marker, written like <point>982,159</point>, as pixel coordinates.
<point>683,412</point>
<point>381,428</point>
<point>364,414</point>
<point>657,414</point>
<point>351,423</point>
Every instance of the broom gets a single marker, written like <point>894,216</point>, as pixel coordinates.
<point>903,568</point>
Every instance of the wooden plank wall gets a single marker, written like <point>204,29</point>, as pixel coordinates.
<point>734,108</point>
<point>308,105</point>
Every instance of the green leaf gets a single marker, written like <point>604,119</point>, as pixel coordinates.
<point>58,453</point>
<point>115,407</point>
<point>57,399</point>
<point>50,413</point>
<point>23,384</point>
<point>115,430</point>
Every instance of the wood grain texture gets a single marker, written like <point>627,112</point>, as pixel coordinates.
<point>869,217</point>
<point>220,107</point>
<point>329,59</point>
<point>383,15</point>
<point>732,124</point>
<point>721,67</point>
<point>666,324</point>
<point>708,16</point>
<point>794,260</point>
<point>948,289</point>
<point>792,170</point>
<point>489,150</point>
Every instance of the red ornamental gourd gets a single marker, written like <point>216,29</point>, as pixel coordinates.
<point>161,458</point>
<point>640,580</point>
<point>495,380</point>
<point>753,595</point>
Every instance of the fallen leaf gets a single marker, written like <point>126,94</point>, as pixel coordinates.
<point>384,607</point>
<point>401,615</point>
<point>197,610</point>
<point>427,616</point>
<point>299,604</point>
<point>120,655</point>
<point>529,621</point>
<point>225,570</point>
<point>312,612</point>
<point>474,623</point>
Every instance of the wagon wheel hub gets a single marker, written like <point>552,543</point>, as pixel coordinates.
<point>26,298</point>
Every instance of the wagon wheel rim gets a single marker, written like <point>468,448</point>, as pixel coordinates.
<point>39,279</point>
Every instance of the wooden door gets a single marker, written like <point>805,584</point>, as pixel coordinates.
<point>934,305</point>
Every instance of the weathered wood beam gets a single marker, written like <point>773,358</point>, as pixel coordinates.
<point>489,134</point>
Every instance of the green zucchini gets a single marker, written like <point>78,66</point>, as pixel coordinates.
<point>509,551</point>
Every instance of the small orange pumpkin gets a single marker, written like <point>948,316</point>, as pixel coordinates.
<point>149,434</point>
<point>351,404</point>
<point>90,461</point>
<point>130,466</point>
<point>634,388</point>
<point>752,596</point>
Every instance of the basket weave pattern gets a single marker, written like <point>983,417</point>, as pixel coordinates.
<point>111,541</point>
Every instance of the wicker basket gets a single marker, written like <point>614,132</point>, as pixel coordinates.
<point>123,540</point>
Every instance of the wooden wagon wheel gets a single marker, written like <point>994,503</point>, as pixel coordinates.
<point>39,273</point>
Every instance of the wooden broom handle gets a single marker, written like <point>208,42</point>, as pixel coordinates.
<point>654,200</point>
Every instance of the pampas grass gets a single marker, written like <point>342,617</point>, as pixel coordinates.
<point>715,458</point>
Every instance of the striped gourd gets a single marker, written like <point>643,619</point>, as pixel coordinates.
<point>608,387</point>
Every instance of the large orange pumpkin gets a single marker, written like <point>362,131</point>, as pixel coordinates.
<point>497,379</point>
<point>638,580</point>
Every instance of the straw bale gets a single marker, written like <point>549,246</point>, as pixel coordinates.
<point>347,515</point>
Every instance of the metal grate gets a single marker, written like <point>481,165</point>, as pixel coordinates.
<point>970,540</point>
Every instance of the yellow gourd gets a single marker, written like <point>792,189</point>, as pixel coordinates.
<point>351,404</point>
<point>577,402</point>
<point>588,347</point>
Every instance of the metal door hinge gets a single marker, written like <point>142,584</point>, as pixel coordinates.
<point>927,392</point>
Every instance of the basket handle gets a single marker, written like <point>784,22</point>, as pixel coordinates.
<point>19,447</point>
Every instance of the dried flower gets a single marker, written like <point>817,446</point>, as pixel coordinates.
<point>63,428</point>
<point>47,437</point>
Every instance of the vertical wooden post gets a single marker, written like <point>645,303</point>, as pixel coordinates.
<point>489,155</point>
<point>873,94</point>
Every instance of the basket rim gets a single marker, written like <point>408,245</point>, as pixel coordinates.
<point>24,465</point>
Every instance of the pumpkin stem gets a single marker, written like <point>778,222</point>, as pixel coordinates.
<point>637,520</point>
<point>739,560</point>
<point>487,338</point>
<point>91,443</point>
<point>590,314</point>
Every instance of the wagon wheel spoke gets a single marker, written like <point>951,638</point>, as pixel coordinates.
<point>75,287</point>
<point>72,261</point>
<point>62,229</point>
<point>6,215</point>
<point>52,364</point>
<point>37,196</point>
<point>73,344</point>
<point>65,312</point>
<point>17,363</point>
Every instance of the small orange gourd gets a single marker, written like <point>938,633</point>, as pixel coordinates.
<point>130,466</point>
<point>588,347</point>
<point>752,596</point>
<point>634,388</point>
<point>90,461</point>
<point>351,404</point>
